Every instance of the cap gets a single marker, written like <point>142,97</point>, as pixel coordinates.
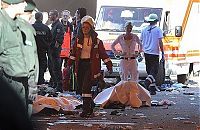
<point>88,19</point>
<point>13,1</point>
<point>30,6</point>
<point>128,24</point>
<point>152,18</point>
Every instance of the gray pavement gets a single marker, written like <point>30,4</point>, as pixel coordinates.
<point>181,113</point>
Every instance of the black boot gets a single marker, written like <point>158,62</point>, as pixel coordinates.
<point>58,87</point>
<point>152,89</point>
<point>87,107</point>
<point>150,84</point>
<point>146,84</point>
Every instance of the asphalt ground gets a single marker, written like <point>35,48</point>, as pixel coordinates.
<point>176,109</point>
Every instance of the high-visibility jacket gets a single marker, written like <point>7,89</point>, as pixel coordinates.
<point>65,51</point>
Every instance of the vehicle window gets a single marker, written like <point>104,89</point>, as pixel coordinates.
<point>114,18</point>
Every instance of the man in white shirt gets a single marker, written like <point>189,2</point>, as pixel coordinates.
<point>151,38</point>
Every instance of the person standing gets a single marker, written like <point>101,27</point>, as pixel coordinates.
<point>66,47</point>
<point>151,38</point>
<point>54,60</point>
<point>67,36</point>
<point>43,39</point>
<point>73,22</point>
<point>29,48</point>
<point>87,53</point>
<point>128,62</point>
<point>12,110</point>
<point>13,66</point>
<point>80,13</point>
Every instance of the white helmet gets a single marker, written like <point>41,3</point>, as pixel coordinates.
<point>88,19</point>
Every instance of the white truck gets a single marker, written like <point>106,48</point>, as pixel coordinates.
<point>179,21</point>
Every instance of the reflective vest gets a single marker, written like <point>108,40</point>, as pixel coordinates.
<point>65,51</point>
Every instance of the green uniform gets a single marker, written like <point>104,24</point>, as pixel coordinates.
<point>30,49</point>
<point>31,58</point>
<point>12,58</point>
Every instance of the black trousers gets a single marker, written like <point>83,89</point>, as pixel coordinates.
<point>19,85</point>
<point>84,77</point>
<point>13,112</point>
<point>42,68</point>
<point>54,64</point>
<point>152,64</point>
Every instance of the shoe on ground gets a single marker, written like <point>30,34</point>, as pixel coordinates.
<point>152,90</point>
<point>86,115</point>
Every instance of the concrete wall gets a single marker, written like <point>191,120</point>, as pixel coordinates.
<point>71,5</point>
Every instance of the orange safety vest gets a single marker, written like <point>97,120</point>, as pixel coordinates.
<point>65,51</point>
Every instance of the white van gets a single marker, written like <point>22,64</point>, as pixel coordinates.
<point>179,21</point>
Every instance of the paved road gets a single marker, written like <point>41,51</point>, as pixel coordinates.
<point>182,114</point>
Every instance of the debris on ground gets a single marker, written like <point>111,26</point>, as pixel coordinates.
<point>162,102</point>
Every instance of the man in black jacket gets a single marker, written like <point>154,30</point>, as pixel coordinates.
<point>54,62</point>
<point>43,40</point>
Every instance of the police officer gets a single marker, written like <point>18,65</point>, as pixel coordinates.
<point>54,61</point>
<point>13,67</point>
<point>29,48</point>
<point>43,40</point>
<point>29,11</point>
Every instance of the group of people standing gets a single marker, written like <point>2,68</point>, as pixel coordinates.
<point>54,43</point>
<point>85,54</point>
<point>27,50</point>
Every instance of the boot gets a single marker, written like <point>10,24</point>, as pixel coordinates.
<point>66,80</point>
<point>146,84</point>
<point>51,83</point>
<point>150,79</point>
<point>87,107</point>
<point>152,89</point>
<point>58,87</point>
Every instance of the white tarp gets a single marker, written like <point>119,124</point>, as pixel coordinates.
<point>126,92</point>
